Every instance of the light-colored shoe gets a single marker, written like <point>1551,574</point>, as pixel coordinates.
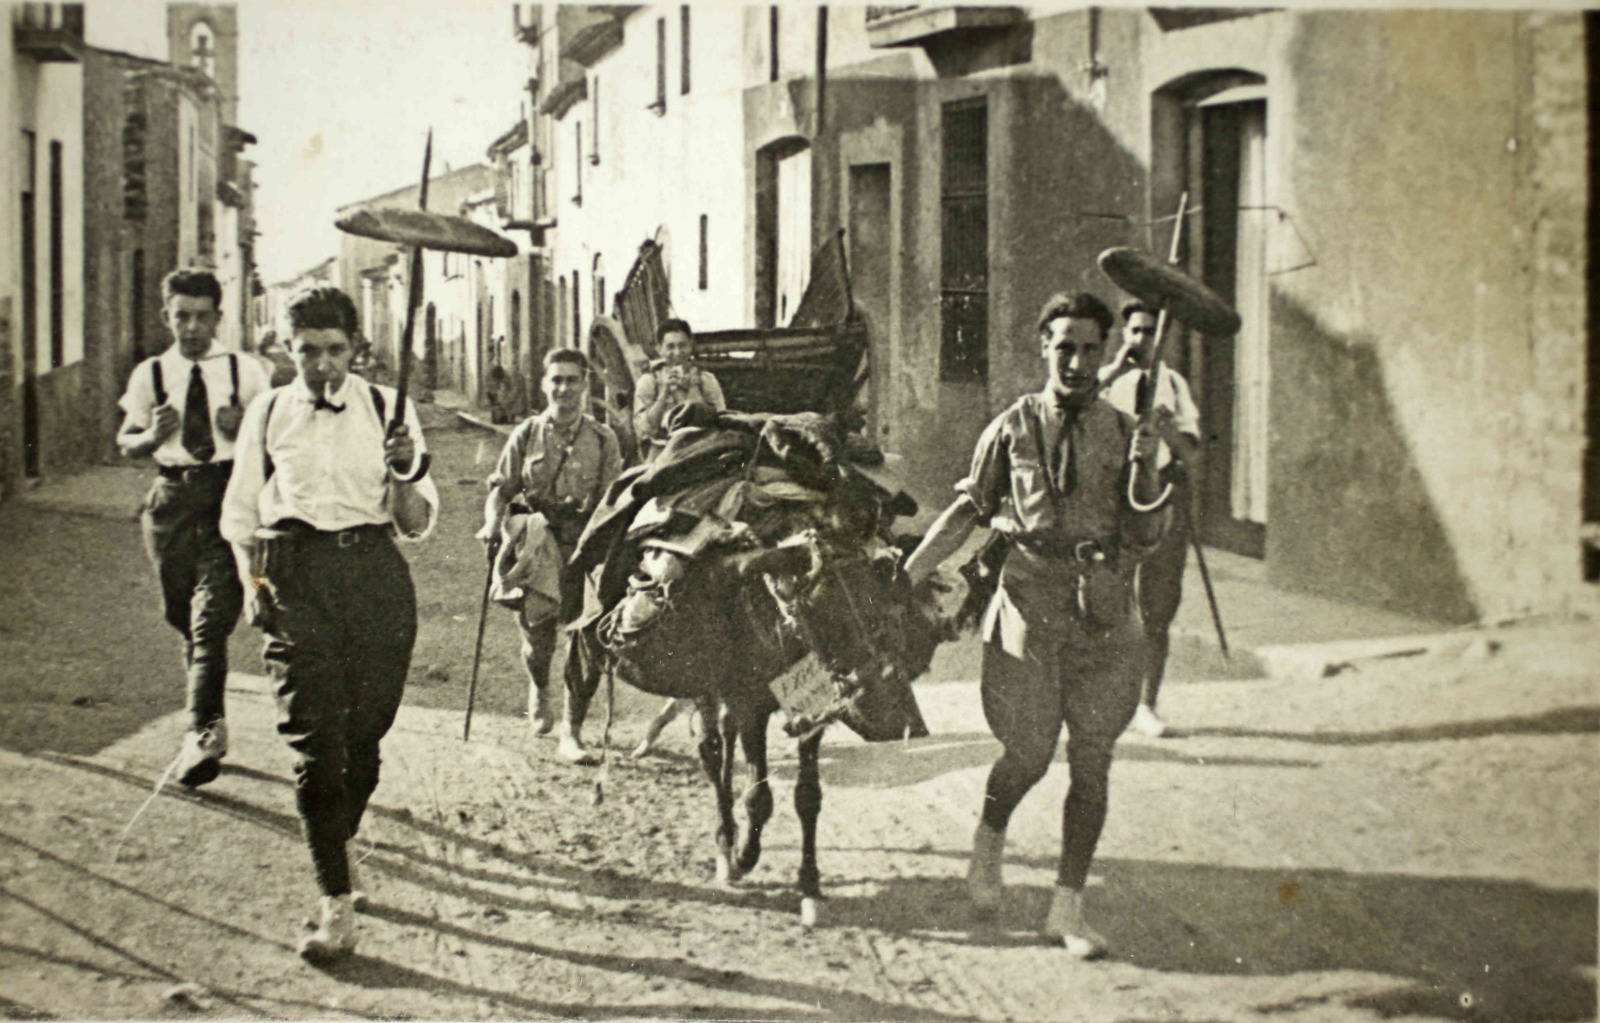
<point>573,751</point>
<point>541,714</point>
<point>200,759</point>
<point>1145,722</point>
<point>1065,924</point>
<point>984,885</point>
<point>335,937</point>
<point>358,891</point>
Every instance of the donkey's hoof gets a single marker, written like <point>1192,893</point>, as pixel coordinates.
<point>810,911</point>
<point>726,874</point>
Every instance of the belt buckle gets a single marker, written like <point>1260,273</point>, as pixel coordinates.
<point>347,538</point>
<point>1088,550</point>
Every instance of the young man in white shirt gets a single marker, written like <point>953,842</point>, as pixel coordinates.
<point>321,489</point>
<point>182,408</point>
<point>1160,578</point>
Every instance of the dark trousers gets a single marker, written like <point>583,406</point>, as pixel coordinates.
<point>339,628</point>
<point>1092,688</point>
<point>1160,586</point>
<point>200,591</point>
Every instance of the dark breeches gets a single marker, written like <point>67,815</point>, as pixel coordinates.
<point>200,591</point>
<point>1093,691</point>
<point>1160,586</point>
<point>339,639</point>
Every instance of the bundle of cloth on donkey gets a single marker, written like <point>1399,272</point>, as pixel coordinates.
<point>751,567</point>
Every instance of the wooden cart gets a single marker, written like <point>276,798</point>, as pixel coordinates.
<point>815,364</point>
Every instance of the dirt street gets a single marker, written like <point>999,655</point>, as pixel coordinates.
<point>1418,839</point>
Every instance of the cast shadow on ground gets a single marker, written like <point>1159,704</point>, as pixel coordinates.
<point>1561,721</point>
<point>777,896</point>
<point>242,999</point>
<point>914,761</point>
<point>831,1002</point>
<point>1436,934</point>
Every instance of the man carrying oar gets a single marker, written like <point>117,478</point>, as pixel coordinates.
<point>1070,480</point>
<point>323,483</point>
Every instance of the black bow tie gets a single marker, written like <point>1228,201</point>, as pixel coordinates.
<point>324,403</point>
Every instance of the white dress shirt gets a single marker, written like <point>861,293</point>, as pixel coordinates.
<point>139,402</point>
<point>1172,393</point>
<point>328,467</point>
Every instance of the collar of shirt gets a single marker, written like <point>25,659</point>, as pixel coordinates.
<point>301,390</point>
<point>567,434</point>
<point>176,360</point>
<point>1056,406</point>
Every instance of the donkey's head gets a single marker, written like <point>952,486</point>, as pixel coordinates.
<point>850,607</point>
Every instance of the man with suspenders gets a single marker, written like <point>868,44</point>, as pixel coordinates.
<point>183,408</point>
<point>324,486</point>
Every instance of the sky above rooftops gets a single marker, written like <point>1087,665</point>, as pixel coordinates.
<point>341,94</point>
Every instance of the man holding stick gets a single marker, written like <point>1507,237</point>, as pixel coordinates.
<point>1160,579</point>
<point>323,486</point>
<point>1071,481</point>
<point>550,477</point>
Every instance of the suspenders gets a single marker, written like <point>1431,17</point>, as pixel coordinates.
<point>157,378</point>
<point>379,404</point>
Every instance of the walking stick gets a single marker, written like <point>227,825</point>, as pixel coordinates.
<point>477,646</point>
<point>1205,578</point>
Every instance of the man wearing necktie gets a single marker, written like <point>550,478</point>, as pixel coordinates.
<point>1160,579</point>
<point>322,489</point>
<point>1062,641</point>
<point>183,408</point>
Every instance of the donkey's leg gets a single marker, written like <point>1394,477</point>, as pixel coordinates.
<point>723,782</point>
<point>714,754</point>
<point>757,793</point>
<point>808,805</point>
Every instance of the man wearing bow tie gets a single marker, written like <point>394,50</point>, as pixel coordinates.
<point>323,487</point>
<point>183,408</point>
<point>1070,481</point>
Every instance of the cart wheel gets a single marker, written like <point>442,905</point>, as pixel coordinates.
<point>612,382</point>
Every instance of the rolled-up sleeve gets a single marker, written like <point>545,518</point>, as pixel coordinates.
<point>507,474</point>
<point>987,481</point>
<point>139,399</point>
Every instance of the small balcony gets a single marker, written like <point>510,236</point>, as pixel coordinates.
<point>915,24</point>
<point>52,33</point>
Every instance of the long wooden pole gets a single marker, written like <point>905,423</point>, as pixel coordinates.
<point>413,300</point>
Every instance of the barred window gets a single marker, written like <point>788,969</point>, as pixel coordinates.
<point>964,242</point>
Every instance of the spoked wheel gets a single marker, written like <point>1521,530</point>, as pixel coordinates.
<point>616,365</point>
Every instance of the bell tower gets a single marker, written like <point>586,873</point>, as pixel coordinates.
<point>206,37</point>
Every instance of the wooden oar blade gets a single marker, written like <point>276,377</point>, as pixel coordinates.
<point>1187,300</point>
<point>421,229</point>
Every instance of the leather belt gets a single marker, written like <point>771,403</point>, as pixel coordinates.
<point>348,537</point>
<point>192,472</point>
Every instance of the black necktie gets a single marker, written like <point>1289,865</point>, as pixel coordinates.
<point>197,439</point>
<point>1064,459</point>
<point>324,403</point>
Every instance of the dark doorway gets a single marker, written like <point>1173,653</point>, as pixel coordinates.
<point>1227,181</point>
<point>870,232</point>
<point>30,308</point>
<point>1591,450</point>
